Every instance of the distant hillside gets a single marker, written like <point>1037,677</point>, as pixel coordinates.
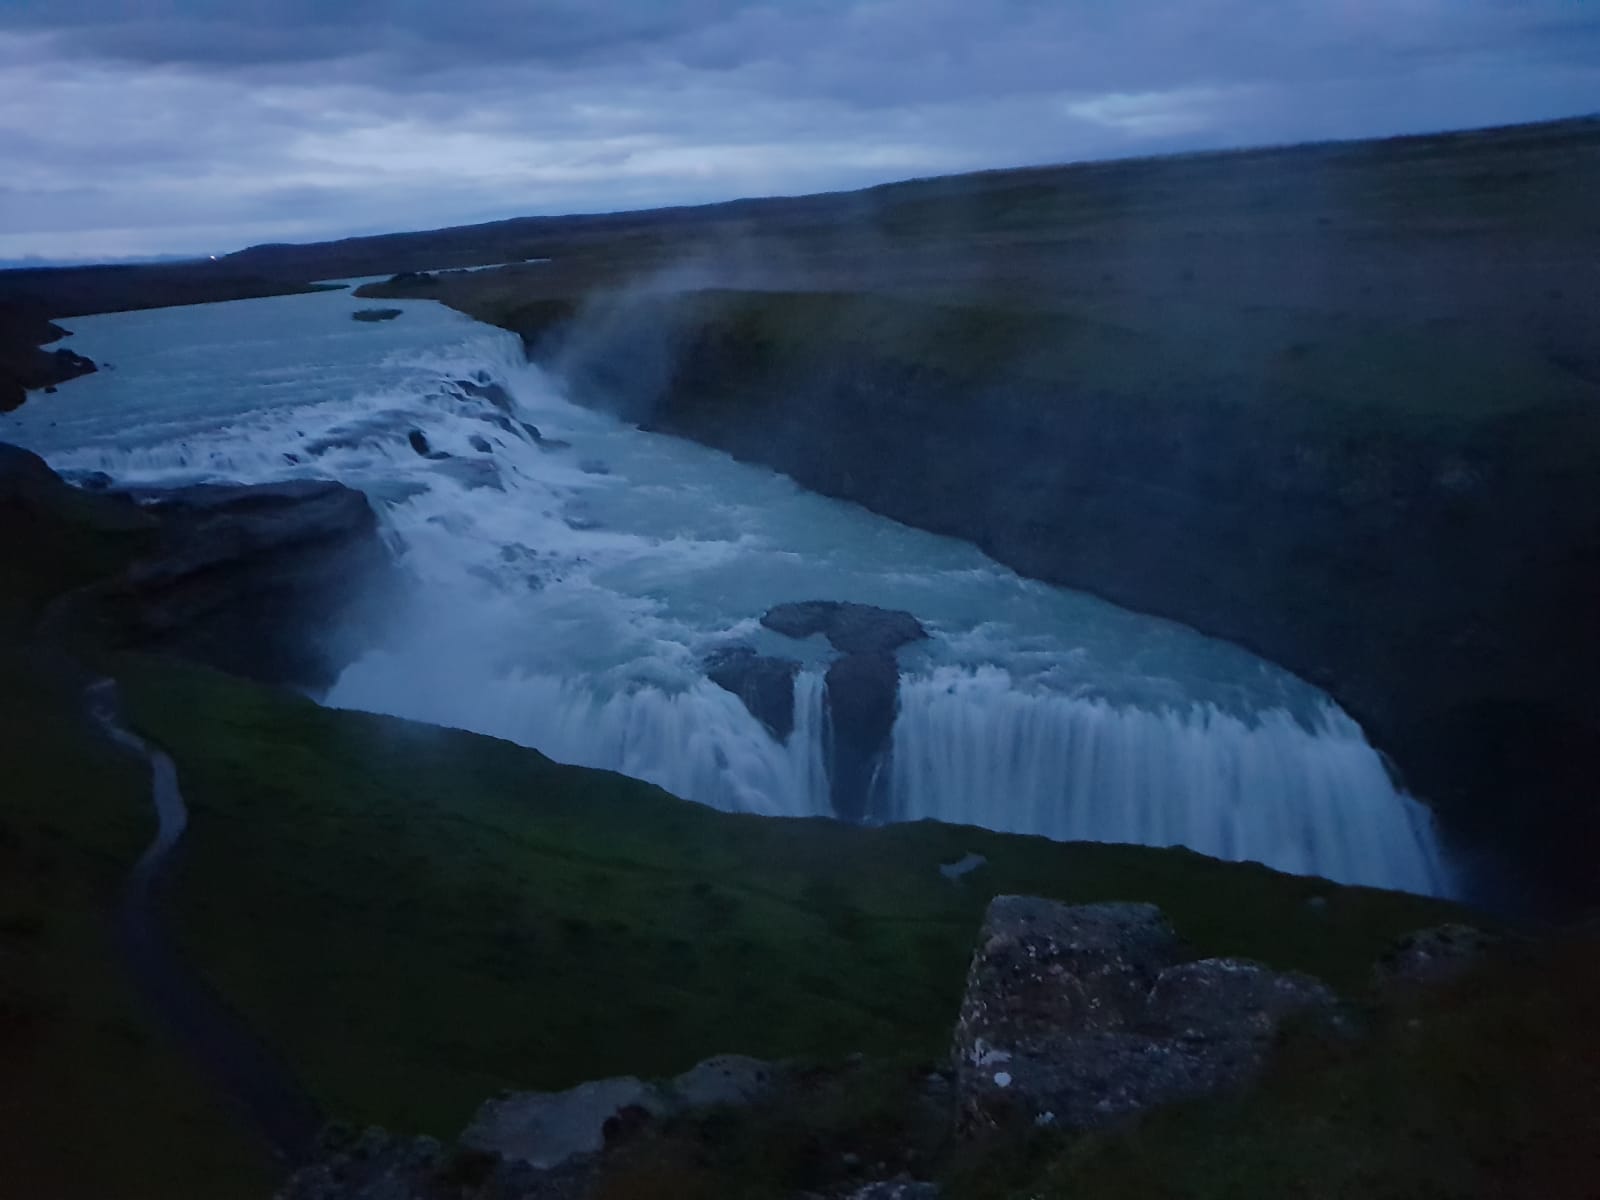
<point>1301,192</point>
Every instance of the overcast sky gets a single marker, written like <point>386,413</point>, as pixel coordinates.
<point>132,127</point>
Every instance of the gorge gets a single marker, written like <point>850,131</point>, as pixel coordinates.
<point>566,578</point>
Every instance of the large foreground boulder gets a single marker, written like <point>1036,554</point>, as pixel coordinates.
<point>1077,1016</point>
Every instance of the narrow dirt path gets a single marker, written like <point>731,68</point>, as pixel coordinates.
<point>242,1068</point>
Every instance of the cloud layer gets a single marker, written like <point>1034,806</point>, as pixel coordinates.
<point>147,126</point>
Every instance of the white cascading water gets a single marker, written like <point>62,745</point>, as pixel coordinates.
<point>565,592</point>
<point>1267,788</point>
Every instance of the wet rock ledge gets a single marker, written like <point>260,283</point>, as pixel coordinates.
<point>266,581</point>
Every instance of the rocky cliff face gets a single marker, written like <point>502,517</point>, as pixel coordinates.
<point>265,581</point>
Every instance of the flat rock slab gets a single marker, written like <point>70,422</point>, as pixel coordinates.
<point>546,1129</point>
<point>851,628</point>
<point>729,1080</point>
<point>897,1189</point>
<point>1076,1016</point>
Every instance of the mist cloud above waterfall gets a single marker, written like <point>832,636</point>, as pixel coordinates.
<point>189,125</point>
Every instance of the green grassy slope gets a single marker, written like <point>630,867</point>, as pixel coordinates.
<point>420,917</point>
<point>93,1101</point>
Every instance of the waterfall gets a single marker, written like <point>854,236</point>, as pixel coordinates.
<point>569,576</point>
<point>698,742</point>
<point>969,748</point>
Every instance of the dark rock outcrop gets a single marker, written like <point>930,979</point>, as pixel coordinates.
<point>861,691</point>
<point>374,315</point>
<point>904,1188</point>
<point>486,389</point>
<point>1078,1016</point>
<point>24,365</point>
<point>851,628</point>
<point>527,1145</point>
<point>52,530</point>
<point>765,684</point>
<point>863,696</point>
<point>264,581</point>
<point>377,1165</point>
<point>419,442</point>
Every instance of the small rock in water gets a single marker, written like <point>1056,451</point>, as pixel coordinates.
<point>481,444</point>
<point>419,442</point>
<point>481,387</point>
<point>593,466</point>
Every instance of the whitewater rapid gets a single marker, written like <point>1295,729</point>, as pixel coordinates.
<point>569,574</point>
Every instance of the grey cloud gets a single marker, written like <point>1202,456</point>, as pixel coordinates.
<point>163,121</point>
<point>215,33</point>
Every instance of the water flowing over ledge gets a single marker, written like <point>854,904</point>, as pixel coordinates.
<point>971,749</point>
<point>569,575</point>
